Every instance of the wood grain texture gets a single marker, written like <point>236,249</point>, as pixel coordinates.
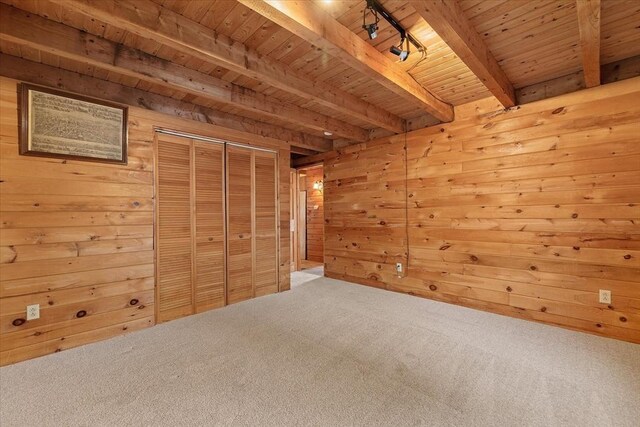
<point>526,212</point>
<point>266,223</point>
<point>30,71</point>
<point>589,25</point>
<point>190,270</point>
<point>174,233</point>
<point>252,220</point>
<point>209,233</point>
<point>533,41</point>
<point>319,28</point>
<point>193,39</point>
<point>78,239</point>
<point>29,30</point>
<point>240,197</point>
<point>449,21</point>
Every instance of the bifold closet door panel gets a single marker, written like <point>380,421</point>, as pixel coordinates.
<point>266,224</point>
<point>240,206</point>
<point>209,226</point>
<point>174,223</point>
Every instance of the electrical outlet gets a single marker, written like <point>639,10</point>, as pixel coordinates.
<point>605,296</point>
<point>399,268</point>
<point>33,312</point>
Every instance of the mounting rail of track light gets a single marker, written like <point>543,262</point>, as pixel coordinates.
<point>401,50</point>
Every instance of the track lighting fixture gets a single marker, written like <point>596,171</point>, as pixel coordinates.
<point>372,27</point>
<point>400,52</point>
<point>372,30</point>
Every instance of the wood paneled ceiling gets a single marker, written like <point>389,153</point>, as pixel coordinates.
<point>527,41</point>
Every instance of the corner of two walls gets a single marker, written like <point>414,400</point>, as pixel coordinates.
<point>525,212</point>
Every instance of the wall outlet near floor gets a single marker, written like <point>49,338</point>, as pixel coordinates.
<point>399,268</point>
<point>605,296</point>
<point>33,312</point>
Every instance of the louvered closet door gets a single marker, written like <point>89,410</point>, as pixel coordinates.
<point>209,225</point>
<point>239,224</point>
<point>252,228</point>
<point>266,227</point>
<point>174,216</point>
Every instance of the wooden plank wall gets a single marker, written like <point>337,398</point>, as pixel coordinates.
<point>526,212</point>
<point>315,216</point>
<point>77,237</point>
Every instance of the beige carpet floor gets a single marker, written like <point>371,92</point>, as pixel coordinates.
<point>318,271</point>
<point>329,353</point>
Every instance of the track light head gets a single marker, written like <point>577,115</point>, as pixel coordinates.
<point>372,30</point>
<point>371,27</point>
<point>400,53</point>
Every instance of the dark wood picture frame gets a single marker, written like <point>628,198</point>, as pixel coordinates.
<point>24,117</point>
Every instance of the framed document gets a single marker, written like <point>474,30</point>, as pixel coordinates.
<point>64,125</point>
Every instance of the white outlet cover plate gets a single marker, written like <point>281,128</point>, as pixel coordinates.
<point>33,312</point>
<point>605,296</point>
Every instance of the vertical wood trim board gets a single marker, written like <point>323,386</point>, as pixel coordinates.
<point>294,251</point>
<point>78,237</point>
<point>252,171</point>
<point>302,224</point>
<point>526,212</point>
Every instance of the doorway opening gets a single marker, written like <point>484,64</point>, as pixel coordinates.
<point>307,207</point>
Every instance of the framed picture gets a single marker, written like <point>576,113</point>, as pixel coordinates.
<point>55,123</point>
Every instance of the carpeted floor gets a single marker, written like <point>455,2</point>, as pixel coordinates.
<point>318,271</point>
<point>329,353</point>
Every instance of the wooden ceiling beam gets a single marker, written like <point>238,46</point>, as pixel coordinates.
<point>46,75</point>
<point>312,160</point>
<point>303,151</point>
<point>311,23</point>
<point>612,72</point>
<point>589,25</point>
<point>448,20</point>
<point>150,20</point>
<point>30,30</point>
